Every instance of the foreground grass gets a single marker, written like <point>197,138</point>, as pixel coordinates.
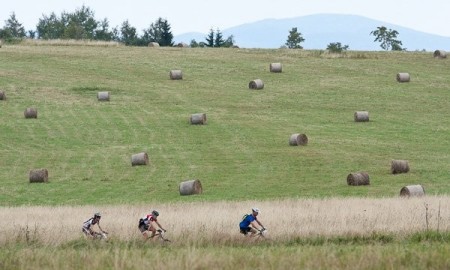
<point>243,150</point>
<point>419,251</point>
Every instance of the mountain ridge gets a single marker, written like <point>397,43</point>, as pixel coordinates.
<point>321,29</point>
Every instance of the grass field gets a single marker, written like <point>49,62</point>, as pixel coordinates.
<point>243,151</point>
<point>241,156</point>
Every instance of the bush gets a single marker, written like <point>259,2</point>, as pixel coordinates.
<point>336,47</point>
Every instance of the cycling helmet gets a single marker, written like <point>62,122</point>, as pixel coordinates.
<point>155,213</point>
<point>256,210</point>
<point>97,214</point>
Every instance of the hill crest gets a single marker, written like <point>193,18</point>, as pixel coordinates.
<point>321,29</point>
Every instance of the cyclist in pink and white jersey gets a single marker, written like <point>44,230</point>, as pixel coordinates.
<point>147,224</point>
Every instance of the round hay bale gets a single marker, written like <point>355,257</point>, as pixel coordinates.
<point>358,179</point>
<point>361,116</point>
<point>276,67</point>
<point>399,166</point>
<point>190,187</point>
<point>139,159</point>
<point>198,119</point>
<point>30,113</point>
<point>440,54</point>
<point>403,77</point>
<point>39,176</point>
<point>412,190</point>
<point>182,45</point>
<point>153,44</point>
<point>256,84</point>
<point>176,74</point>
<point>2,95</point>
<point>103,96</point>
<point>298,139</point>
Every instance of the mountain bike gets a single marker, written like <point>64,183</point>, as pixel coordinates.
<point>160,235</point>
<point>100,235</point>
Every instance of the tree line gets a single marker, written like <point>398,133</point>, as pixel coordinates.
<point>82,24</point>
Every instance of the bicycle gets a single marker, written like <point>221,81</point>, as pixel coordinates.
<point>161,236</point>
<point>262,233</point>
<point>100,236</point>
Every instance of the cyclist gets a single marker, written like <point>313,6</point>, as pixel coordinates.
<point>147,224</point>
<point>249,221</point>
<point>89,224</point>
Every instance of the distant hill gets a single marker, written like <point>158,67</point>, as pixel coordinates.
<point>320,30</point>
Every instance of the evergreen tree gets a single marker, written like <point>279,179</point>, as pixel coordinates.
<point>210,38</point>
<point>13,28</point>
<point>159,32</point>
<point>218,40</point>
<point>294,39</point>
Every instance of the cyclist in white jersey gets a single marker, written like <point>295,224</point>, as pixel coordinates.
<point>89,224</point>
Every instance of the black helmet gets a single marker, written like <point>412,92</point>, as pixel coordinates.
<point>155,213</point>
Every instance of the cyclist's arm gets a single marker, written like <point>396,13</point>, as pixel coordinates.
<point>98,224</point>
<point>159,225</point>
<point>260,224</point>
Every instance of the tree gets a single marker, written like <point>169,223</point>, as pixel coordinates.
<point>336,47</point>
<point>218,40</point>
<point>294,39</point>
<point>159,32</point>
<point>229,42</point>
<point>50,27</point>
<point>210,38</point>
<point>13,28</point>
<point>81,24</point>
<point>128,34</point>
<point>102,32</point>
<point>387,37</point>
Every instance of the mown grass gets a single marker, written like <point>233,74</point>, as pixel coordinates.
<point>243,150</point>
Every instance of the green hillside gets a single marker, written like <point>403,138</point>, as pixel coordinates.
<point>242,152</point>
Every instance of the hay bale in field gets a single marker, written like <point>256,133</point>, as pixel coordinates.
<point>276,67</point>
<point>440,54</point>
<point>176,74</point>
<point>358,179</point>
<point>2,95</point>
<point>399,166</point>
<point>39,176</point>
<point>298,139</point>
<point>139,159</point>
<point>403,77</point>
<point>153,44</point>
<point>361,116</point>
<point>182,45</point>
<point>412,190</point>
<point>103,96</point>
<point>256,84</point>
<point>30,113</point>
<point>190,187</point>
<point>198,119</point>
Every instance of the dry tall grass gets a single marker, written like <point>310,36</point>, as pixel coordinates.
<point>217,222</point>
<point>69,42</point>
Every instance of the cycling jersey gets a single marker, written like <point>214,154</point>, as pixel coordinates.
<point>247,220</point>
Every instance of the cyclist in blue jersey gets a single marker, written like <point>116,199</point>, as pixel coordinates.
<point>249,223</point>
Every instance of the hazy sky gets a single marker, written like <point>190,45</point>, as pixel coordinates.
<point>432,16</point>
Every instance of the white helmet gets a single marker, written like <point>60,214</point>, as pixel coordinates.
<point>256,210</point>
